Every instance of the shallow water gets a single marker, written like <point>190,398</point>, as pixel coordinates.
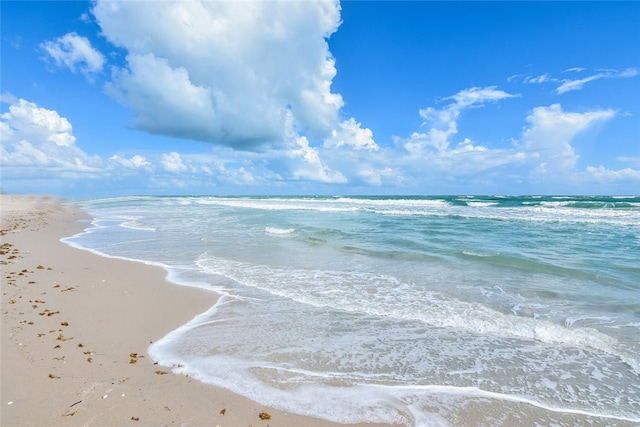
<point>405,310</point>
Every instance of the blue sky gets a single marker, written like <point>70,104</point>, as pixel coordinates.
<point>114,97</point>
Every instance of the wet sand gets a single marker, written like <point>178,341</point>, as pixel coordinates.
<point>76,326</point>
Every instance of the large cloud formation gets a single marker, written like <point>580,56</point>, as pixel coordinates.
<point>243,74</point>
<point>254,80</point>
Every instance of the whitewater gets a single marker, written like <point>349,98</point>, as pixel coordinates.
<point>405,310</point>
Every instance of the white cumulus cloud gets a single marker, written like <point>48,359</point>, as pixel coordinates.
<point>551,132</point>
<point>75,53</point>
<point>36,139</point>
<point>172,162</point>
<point>135,162</point>
<point>443,123</point>
<point>226,72</point>
<point>601,174</point>
<point>164,98</point>
<point>309,166</point>
<point>26,120</point>
<point>351,134</point>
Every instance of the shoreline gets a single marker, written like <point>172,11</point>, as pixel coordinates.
<point>76,327</point>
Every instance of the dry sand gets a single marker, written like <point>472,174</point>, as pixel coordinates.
<point>76,326</point>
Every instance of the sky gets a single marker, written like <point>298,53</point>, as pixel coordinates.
<point>200,97</point>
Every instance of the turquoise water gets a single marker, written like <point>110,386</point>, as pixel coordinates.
<point>399,309</point>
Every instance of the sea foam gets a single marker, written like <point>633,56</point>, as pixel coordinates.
<point>414,308</point>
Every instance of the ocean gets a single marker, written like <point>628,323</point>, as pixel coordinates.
<point>416,311</point>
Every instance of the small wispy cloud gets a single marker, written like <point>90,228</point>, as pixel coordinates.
<point>635,161</point>
<point>8,98</point>
<point>544,78</point>
<point>569,85</point>
<point>477,96</point>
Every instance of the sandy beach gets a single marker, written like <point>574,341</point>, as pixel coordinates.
<point>76,326</point>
